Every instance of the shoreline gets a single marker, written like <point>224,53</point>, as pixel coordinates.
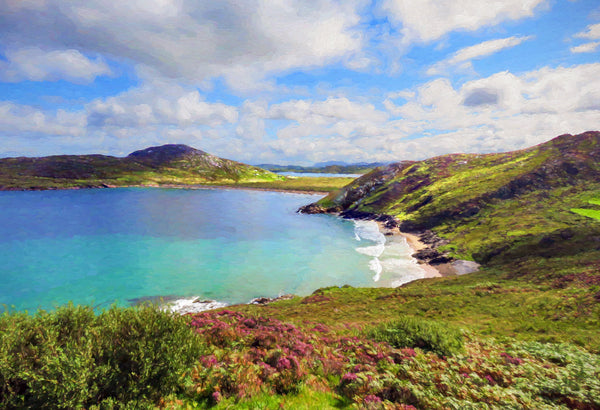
<point>415,244</point>
<point>239,187</point>
<point>172,186</point>
<point>452,267</point>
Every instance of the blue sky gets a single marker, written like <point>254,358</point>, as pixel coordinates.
<point>292,81</point>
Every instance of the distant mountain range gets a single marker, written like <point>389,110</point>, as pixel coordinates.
<point>166,164</point>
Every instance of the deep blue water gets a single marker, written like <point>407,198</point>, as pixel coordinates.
<point>104,246</point>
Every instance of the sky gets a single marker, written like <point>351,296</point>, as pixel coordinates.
<point>296,82</point>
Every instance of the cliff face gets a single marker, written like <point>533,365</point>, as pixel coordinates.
<point>491,206</point>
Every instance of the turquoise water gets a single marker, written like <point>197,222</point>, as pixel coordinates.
<point>104,246</point>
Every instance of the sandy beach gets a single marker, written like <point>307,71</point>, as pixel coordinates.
<point>457,267</point>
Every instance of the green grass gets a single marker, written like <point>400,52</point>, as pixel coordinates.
<point>410,332</point>
<point>317,184</point>
<point>590,213</point>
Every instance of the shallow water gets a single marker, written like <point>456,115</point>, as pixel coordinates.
<point>104,246</point>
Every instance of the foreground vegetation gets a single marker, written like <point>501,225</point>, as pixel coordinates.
<point>143,358</point>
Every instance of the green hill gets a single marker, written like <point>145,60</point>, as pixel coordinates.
<point>494,208</point>
<point>167,164</point>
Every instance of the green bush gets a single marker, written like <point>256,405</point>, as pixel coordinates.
<point>74,358</point>
<point>408,331</point>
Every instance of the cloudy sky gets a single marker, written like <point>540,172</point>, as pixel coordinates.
<point>291,81</point>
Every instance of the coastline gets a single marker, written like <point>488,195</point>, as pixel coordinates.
<point>241,187</point>
<point>415,244</point>
<point>172,186</point>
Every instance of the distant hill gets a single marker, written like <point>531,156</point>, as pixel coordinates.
<point>166,164</point>
<point>493,208</point>
<point>331,167</point>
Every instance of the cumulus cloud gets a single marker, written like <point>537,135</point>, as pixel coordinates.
<point>592,32</point>
<point>501,112</point>
<point>34,64</point>
<point>586,47</point>
<point>18,120</point>
<point>429,20</point>
<point>191,40</point>
<point>465,55</point>
<point>496,113</point>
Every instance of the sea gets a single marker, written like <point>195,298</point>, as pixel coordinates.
<point>192,248</point>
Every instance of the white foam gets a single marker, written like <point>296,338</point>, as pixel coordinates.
<point>192,305</point>
<point>368,230</point>
<point>375,266</point>
<point>374,251</point>
<point>392,261</point>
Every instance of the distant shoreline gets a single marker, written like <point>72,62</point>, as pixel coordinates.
<point>170,186</point>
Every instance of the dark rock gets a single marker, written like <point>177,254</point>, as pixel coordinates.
<point>441,259</point>
<point>426,254</point>
<point>567,234</point>
<point>360,215</point>
<point>312,209</point>
<point>261,301</point>
<point>266,301</point>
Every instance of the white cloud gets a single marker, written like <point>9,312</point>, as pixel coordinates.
<point>592,32</point>
<point>501,112</point>
<point>23,120</point>
<point>35,64</point>
<point>192,40</point>
<point>428,20</point>
<point>465,55</point>
<point>158,105</point>
<point>586,47</point>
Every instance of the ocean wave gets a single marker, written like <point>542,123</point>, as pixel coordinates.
<point>368,230</point>
<point>375,266</point>
<point>192,305</point>
<point>374,251</point>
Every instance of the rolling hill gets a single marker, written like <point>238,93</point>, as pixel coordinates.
<point>166,164</point>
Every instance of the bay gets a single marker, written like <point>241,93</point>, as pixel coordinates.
<point>116,246</point>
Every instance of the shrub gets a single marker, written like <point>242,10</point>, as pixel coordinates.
<point>74,358</point>
<point>411,332</point>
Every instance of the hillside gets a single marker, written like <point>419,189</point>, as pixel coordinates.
<point>167,164</point>
<point>494,208</point>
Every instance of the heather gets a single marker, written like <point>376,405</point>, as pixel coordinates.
<point>254,360</point>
